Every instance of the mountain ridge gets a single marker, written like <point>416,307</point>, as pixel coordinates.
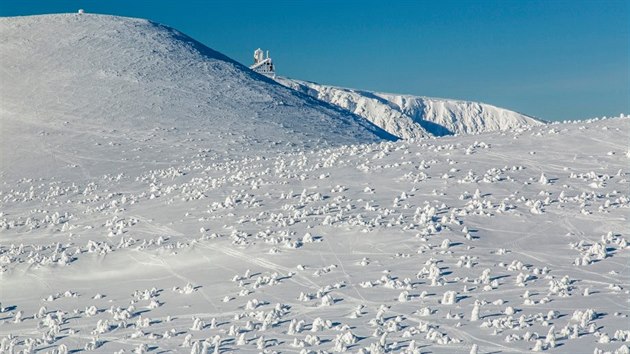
<point>409,116</point>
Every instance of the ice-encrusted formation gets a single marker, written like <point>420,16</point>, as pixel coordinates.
<point>107,82</point>
<point>408,116</point>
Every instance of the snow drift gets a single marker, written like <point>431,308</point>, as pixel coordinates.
<point>83,88</point>
<point>413,117</point>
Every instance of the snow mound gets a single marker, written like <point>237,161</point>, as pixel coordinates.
<point>411,116</point>
<point>76,84</point>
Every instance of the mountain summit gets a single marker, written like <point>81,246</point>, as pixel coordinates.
<point>80,88</point>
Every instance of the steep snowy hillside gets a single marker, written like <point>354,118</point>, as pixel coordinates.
<point>81,90</point>
<point>505,242</point>
<point>412,116</point>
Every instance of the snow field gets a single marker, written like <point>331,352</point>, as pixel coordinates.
<point>451,245</point>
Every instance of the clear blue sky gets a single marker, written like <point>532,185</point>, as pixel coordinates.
<point>550,59</point>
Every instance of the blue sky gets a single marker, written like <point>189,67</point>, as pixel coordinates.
<point>550,59</point>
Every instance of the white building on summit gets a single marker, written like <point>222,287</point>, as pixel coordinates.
<point>263,64</point>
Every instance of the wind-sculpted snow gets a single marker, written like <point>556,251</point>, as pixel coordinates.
<point>87,89</point>
<point>410,117</point>
<point>503,242</point>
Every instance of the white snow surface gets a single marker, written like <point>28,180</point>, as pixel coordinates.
<point>433,246</point>
<point>92,78</point>
<point>155,233</point>
<point>412,117</point>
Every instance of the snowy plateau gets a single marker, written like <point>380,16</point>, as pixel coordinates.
<point>158,197</point>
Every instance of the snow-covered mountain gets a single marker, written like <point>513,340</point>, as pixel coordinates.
<point>411,116</point>
<point>148,204</point>
<point>81,89</point>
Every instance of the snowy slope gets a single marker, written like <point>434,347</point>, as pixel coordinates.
<point>112,84</point>
<point>504,242</point>
<point>168,232</point>
<point>411,116</point>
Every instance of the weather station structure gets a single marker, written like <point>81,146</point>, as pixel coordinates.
<point>263,64</point>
